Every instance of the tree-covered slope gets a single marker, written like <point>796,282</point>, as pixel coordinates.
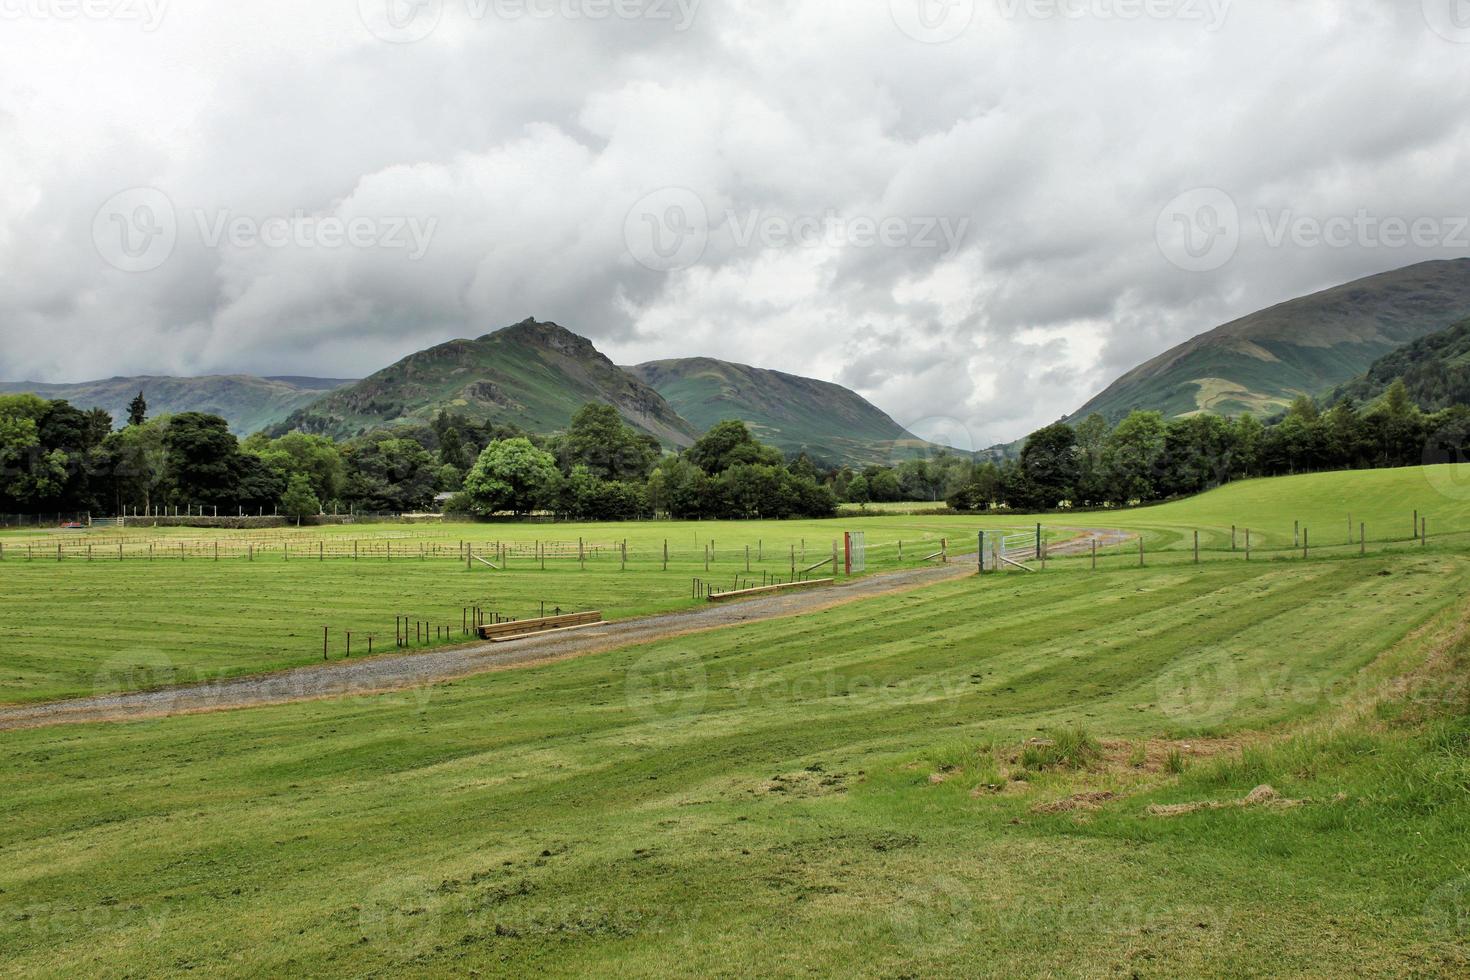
<point>532,375</point>
<point>1435,371</point>
<point>795,414</point>
<point>1260,363</point>
<point>247,403</point>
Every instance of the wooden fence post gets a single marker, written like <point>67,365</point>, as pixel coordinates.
<point>1094,554</point>
<point>1362,540</point>
<point>1196,547</point>
<point>1140,551</point>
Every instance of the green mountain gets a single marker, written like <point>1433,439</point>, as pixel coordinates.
<point>1435,371</point>
<point>1260,363</point>
<point>532,375</point>
<point>825,420</point>
<point>248,403</point>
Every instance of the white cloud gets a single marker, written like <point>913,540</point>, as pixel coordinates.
<point>527,141</point>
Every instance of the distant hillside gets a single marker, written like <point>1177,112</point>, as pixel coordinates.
<point>532,375</point>
<point>1435,370</point>
<point>248,403</point>
<point>1260,363</point>
<point>795,414</point>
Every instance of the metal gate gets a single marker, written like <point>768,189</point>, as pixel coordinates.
<point>1008,551</point>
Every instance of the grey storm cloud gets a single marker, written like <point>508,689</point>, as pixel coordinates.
<point>954,208</point>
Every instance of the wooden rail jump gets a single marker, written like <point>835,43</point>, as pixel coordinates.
<point>527,628</point>
<point>768,589</point>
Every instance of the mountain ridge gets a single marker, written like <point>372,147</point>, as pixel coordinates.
<point>248,402</point>
<point>533,375</point>
<point>1259,363</point>
<point>829,422</point>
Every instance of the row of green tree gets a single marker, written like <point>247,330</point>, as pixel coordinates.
<point>1147,458</point>
<point>57,458</point>
<point>603,470</point>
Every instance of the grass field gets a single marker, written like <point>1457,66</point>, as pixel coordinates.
<point>77,627</point>
<point>167,612</point>
<point>848,792</point>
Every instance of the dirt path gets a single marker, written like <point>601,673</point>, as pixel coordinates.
<point>397,672</point>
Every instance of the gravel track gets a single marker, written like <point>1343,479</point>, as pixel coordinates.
<point>397,672</point>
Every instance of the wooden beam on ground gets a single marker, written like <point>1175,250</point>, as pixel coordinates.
<point>536,627</point>
<point>532,636</point>
<point>768,589</point>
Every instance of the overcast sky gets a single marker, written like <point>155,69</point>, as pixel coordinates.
<point>974,213</point>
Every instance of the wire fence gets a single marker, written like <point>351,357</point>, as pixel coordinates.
<point>284,547</point>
